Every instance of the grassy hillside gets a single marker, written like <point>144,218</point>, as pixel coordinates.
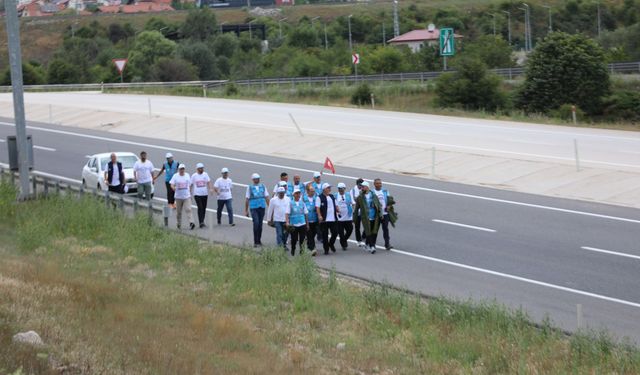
<point>114,295</point>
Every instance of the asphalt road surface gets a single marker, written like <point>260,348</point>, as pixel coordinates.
<point>542,254</point>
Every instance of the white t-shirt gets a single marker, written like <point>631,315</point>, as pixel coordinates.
<point>341,201</point>
<point>182,184</point>
<point>200,183</point>
<point>383,202</point>
<point>355,193</point>
<point>143,171</point>
<point>115,180</point>
<point>331,210</point>
<point>279,208</point>
<point>224,186</point>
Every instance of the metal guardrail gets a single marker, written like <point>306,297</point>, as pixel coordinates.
<point>507,73</point>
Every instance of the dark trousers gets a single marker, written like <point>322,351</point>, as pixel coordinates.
<point>385,230</point>
<point>345,228</point>
<point>201,202</point>
<point>170,193</point>
<point>357,224</point>
<point>221,204</point>
<point>325,228</point>
<point>372,237</point>
<point>297,236</point>
<point>311,236</point>
<point>116,189</point>
<point>257,215</point>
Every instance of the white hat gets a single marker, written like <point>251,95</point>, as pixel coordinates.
<point>280,190</point>
<point>341,185</point>
<point>182,166</point>
<point>199,165</point>
<point>326,185</point>
<point>316,174</point>
<point>296,190</point>
<point>366,183</point>
<point>224,170</point>
<point>282,183</point>
<point>168,155</point>
<point>255,176</point>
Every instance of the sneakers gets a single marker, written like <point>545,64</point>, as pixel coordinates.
<point>203,225</point>
<point>372,249</point>
<point>233,224</point>
<point>360,244</point>
<point>179,226</point>
<point>333,248</point>
<point>192,226</point>
<point>388,247</point>
<point>313,253</point>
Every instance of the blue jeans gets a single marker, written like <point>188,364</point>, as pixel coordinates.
<point>221,204</point>
<point>281,234</point>
<point>257,215</point>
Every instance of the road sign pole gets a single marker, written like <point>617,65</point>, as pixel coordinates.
<point>15,63</point>
<point>445,62</point>
<point>121,78</point>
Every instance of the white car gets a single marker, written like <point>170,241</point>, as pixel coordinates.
<point>93,172</point>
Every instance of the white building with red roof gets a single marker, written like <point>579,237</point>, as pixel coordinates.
<point>417,38</point>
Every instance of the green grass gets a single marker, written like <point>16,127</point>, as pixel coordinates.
<point>116,295</point>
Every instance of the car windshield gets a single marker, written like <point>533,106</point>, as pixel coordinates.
<point>127,161</point>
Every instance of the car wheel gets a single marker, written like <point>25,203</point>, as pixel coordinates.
<point>84,183</point>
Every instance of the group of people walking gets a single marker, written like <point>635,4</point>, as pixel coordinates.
<point>301,213</point>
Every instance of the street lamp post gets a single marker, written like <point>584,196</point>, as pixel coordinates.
<point>550,21</point>
<point>527,27</point>
<point>508,24</point>
<point>250,31</point>
<point>326,40</point>
<point>280,26</point>
<point>350,42</point>
<point>494,23</point>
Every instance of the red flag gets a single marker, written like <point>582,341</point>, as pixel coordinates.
<point>328,165</point>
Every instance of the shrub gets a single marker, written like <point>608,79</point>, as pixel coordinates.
<point>362,95</point>
<point>565,112</point>
<point>231,89</point>
<point>623,106</point>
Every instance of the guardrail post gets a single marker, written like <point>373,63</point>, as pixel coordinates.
<point>135,205</point>
<point>150,211</point>
<point>326,81</point>
<point>401,77</point>
<point>46,187</point>
<point>34,185</point>
<point>262,83</point>
<point>102,87</point>
<point>204,90</point>
<point>166,211</point>
<point>421,77</point>
<point>58,187</point>
<point>107,198</point>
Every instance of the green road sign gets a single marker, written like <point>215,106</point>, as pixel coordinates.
<point>447,42</point>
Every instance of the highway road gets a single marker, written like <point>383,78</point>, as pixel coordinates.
<point>545,255</point>
<point>597,147</point>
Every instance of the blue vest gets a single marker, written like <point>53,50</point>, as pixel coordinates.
<point>318,187</point>
<point>256,196</point>
<point>170,170</point>
<point>348,201</point>
<point>369,197</point>
<point>290,190</point>
<point>296,217</point>
<point>311,206</point>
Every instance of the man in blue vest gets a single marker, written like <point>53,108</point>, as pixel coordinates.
<point>297,219</point>
<point>284,181</point>
<point>297,182</point>
<point>383,198</point>
<point>169,168</point>
<point>309,200</point>
<point>114,176</point>
<point>345,217</point>
<point>327,217</point>
<point>256,202</point>
<point>317,183</point>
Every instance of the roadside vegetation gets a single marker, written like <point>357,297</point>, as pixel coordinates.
<point>111,294</point>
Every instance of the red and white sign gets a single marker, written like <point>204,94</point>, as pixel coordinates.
<point>120,64</point>
<point>355,58</point>
<point>328,165</point>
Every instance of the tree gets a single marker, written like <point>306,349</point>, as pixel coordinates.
<point>200,24</point>
<point>200,55</point>
<point>116,32</point>
<point>565,69</point>
<point>173,69</point>
<point>387,60</point>
<point>31,75</point>
<point>225,45</point>
<point>149,47</point>
<point>62,72</point>
<point>495,52</point>
<point>303,36</point>
<point>471,86</point>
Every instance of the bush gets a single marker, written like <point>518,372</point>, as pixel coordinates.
<point>231,89</point>
<point>362,95</point>
<point>565,112</point>
<point>471,87</point>
<point>623,106</point>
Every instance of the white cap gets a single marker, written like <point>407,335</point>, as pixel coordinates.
<point>366,183</point>
<point>224,170</point>
<point>199,165</point>
<point>182,166</point>
<point>280,190</point>
<point>168,155</point>
<point>296,190</point>
<point>341,185</point>
<point>255,176</point>
<point>316,174</point>
<point>282,183</point>
<point>326,185</point>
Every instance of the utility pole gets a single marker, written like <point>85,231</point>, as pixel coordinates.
<point>15,63</point>
<point>384,35</point>
<point>280,26</point>
<point>326,41</point>
<point>313,26</point>
<point>599,27</point>
<point>250,31</point>
<point>527,27</point>
<point>508,24</point>
<point>494,23</point>
<point>350,42</point>
<point>396,23</point>
<point>550,22</point>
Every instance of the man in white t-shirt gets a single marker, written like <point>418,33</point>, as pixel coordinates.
<point>181,185</point>
<point>277,215</point>
<point>201,185</point>
<point>383,198</point>
<point>223,187</point>
<point>143,174</point>
<point>327,211</point>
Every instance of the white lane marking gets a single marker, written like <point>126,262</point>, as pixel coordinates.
<point>610,252</point>
<point>44,148</point>
<point>450,263</point>
<point>519,278</point>
<point>2,140</point>
<point>497,200</point>
<point>464,225</point>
